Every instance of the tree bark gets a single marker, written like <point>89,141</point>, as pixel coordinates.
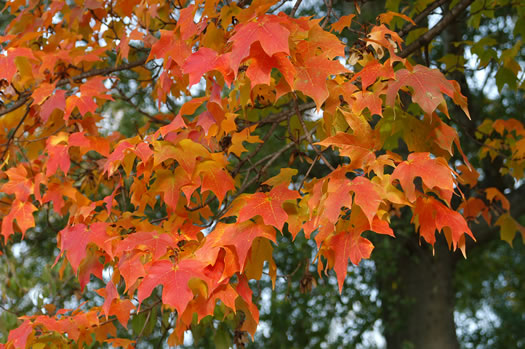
<point>417,296</point>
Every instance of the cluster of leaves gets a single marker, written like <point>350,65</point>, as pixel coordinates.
<point>193,201</point>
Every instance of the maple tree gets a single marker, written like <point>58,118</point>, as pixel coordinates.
<point>192,202</point>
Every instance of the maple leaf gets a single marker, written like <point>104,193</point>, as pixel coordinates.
<point>109,295</point>
<point>343,22</point>
<point>170,46</point>
<point>215,178</point>
<point>360,150</point>
<point>368,100</point>
<point>508,228</point>
<point>174,278</point>
<point>428,86</point>
<point>90,265</point>
<point>241,237</point>
<point>206,60</point>
<point>238,138</point>
<point>23,213</point>
<point>169,184</point>
<point>268,205</point>
<point>19,183</point>
<point>431,215</point>
<point>312,75</point>
<point>326,200</point>
<point>42,92</point>
<point>374,70</point>
<point>120,342</point>
<point>493,194</point>
<point>435,173</point>
<point>349,245</point>
<point>122,308</point>
<point>143,151</point>
<point>54,194</point>
<point>131,268</point>
<point>272,36</point>
<point>366,196</point>
<point>261,65</point>
<point>186,24</point>
<point>58,159</point>
<point>56,101</point>
<point>85,101</point>
<point>156,243</point>
<point>73,241</point>
<point>327,43</point>
<point>380,37</point>
<point>86,144</point>
<point>185,153</point>
<point>116,157</point>
<point>18,336</point>
<point>389,15</point>
<point>7,67</point>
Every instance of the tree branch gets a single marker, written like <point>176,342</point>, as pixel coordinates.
<point>437,29</point>
<point>295,8</point>
<point>309,137</point>
<point>26,96</point>
<point>12,136</point>
<point>421,16</point>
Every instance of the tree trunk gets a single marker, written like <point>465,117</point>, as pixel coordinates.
<point>417,296</point>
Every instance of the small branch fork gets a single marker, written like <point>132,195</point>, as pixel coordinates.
<point>12,136</point>
<point>426,38</point>
<point>309,136</point>
<point>421,16</point>
<point>26,96</point>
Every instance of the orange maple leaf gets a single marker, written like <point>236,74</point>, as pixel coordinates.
<point>268,205</point>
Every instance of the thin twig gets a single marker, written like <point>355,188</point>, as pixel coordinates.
<point>26,96</point>
<point>268,161</point>
<point>137,108</point>
<point>437,29</point>
<point>295,7</point>
<point>12,136</point>
<point>309,136</point>
<point>421,16</point>
<point>308,172</point>
<point>329,6</point>
<point>256,151</point>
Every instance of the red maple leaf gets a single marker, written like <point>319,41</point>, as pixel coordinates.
<point>73,241</point>
<point>206,60</point>
<point>261,65</point>
<point>435,173</point>
<point>272,36</point>
<point>131,268</point>
<point>428,86</point>
<point>174,278</point>
<point>268,205</point>
<point>215,178</point>
<point>154,242</point>
<point>366,196</point>
<point>109,295</point>
<point>18,336</point>
<point>431,215</point>
<point>23,213</point>
<point>349,244</point>
<point>241,236</point>
<point>312,75</point>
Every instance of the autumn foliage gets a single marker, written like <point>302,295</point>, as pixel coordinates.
<point>192,204</point>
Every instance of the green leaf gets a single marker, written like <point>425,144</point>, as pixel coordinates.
<point>222,339</point>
